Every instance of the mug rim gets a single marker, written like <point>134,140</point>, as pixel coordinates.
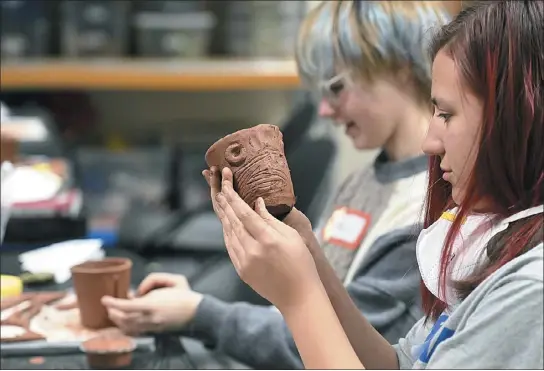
<point>106,265</point>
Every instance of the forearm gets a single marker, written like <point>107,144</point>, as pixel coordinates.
<point>371,348</point>
<point>254,335</point>
<point>320,339</point>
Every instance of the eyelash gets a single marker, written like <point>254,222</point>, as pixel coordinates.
<point>445,116</point>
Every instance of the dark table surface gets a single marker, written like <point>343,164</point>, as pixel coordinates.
<point>171,352</point>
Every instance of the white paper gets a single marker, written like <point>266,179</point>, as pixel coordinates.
<point>9,331</point>
<point>59,258</point>
<point>5,199</point>
<point>4,111</point>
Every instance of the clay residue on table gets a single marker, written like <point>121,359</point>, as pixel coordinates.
<point>62,325</point>
<point>48,321</point>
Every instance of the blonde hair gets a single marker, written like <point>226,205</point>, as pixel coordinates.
<point>369,38</point>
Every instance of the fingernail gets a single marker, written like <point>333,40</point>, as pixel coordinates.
<point>220,198</point>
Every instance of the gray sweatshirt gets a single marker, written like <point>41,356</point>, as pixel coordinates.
<point>498,326</point>
<point>380,272</point>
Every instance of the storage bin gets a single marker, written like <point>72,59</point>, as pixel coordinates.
<point>185,35</point>
<point>170,6</point>
<point>25,29</point>
<point>263,28</point>
<point>95,28</point>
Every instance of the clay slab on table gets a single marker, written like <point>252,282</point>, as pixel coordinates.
<point>18,312</point>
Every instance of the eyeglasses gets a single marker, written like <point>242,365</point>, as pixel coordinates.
<point>331,89</point>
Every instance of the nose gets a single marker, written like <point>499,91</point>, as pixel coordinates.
<point>325,109</point>
<point>432,145</point>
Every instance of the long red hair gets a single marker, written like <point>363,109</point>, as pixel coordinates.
<point>498,49</point>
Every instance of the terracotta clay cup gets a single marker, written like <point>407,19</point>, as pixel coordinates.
<point>9,148</point>
<point>258,165</point>
<point>94,279</point>
<point>109,351</point>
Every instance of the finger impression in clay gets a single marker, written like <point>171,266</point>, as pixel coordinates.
<point>257,161</point>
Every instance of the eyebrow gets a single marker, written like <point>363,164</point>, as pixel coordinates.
<point>440,103</point>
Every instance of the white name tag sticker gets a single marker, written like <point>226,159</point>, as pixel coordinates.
<point>346,228</point>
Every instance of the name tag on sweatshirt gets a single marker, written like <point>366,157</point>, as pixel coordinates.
<point>346,228</point>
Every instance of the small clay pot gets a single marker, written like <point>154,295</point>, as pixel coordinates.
<point>258,165</point>
<point>94,279</point>
<point>109,352</point>
<point>9,148</point>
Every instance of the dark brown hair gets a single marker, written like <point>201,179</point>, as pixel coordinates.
<point>498,48</point>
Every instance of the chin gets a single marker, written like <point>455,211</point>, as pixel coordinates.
<point>457,196</point>
<point>361,144</point>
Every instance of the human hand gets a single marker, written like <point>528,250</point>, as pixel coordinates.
<point>295,219</point>
<point>213,178</point>
<point>298,221</point>
<point>164,302</point>
<point>268,255</point>
<point>70,302</point>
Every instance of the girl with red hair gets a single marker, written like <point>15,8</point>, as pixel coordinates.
<point>481,252</point>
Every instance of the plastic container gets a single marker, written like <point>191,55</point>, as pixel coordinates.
<point>95,28</point>
<point>185,35</point>
<point>263,28</point>
<point>170,6</point>
<point>25,28</point>
<point>94,279</point>
<point>109,351</point>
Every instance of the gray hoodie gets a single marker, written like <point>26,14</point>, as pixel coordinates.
<point>498,326</point>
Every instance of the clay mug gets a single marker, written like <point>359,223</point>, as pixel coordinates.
<point>259,167</point>
<point>9,148</point>
<point>109,352</point>
<point>94,279</point>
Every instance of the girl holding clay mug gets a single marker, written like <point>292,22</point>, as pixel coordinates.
<point>481,252</point>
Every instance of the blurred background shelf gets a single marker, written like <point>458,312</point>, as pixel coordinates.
<point>155,75</point>
<point>137,90</point>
